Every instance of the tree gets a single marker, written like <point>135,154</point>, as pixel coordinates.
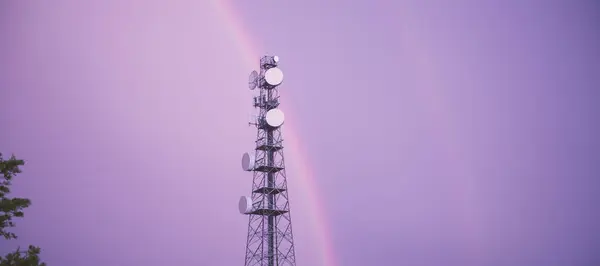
<point>13,208</point>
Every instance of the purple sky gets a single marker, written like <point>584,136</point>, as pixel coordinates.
<point>439,132</point>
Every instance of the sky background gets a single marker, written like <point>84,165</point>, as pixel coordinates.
<point>437,132</point>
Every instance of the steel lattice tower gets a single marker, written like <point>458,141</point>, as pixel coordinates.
<point>270,240</point>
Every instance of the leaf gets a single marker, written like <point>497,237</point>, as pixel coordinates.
<point>14,208</point>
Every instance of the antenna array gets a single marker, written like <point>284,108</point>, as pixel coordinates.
<point>270,240</point>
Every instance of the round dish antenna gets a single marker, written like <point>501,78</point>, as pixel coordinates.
<point>253,80</point>
<point>248,161</point>
<point>276,59</point>
<point>275,117</point>
<point>274,76</point>
<point>245,205</point>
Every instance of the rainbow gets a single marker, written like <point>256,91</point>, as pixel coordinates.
<point>436,109</point>
<point>319,221</point>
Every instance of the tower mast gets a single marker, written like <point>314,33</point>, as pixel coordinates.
<point>270,240</point>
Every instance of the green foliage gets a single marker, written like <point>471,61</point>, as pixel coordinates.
<point>23,258</point>
<point>13,208</point>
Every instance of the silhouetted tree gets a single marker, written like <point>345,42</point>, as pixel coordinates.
<point>11,208</point>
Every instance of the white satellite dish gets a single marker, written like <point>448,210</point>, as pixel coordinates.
<point>248,161</point>
<point>253,80</point>
<point>245,205</point>
<point>275,118</point>
<point>276,59</point>
<point>274,76</point>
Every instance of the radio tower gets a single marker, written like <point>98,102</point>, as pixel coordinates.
<point>270,241</point>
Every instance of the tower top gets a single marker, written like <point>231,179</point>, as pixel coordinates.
<point>269,77</point>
